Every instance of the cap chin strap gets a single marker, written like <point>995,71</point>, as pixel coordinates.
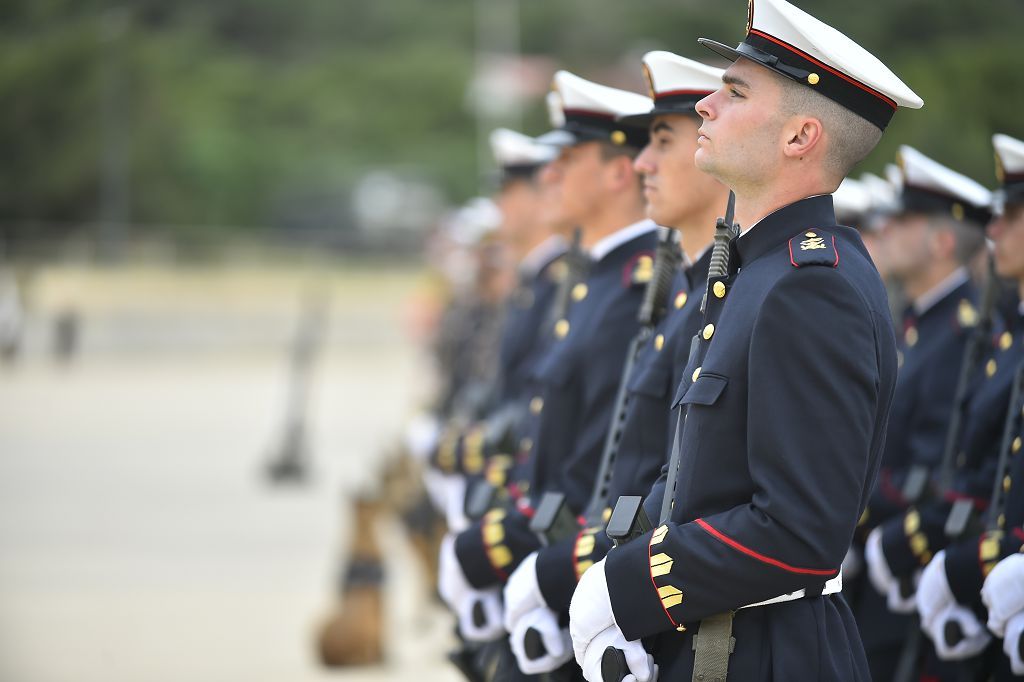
<point>772,62</point>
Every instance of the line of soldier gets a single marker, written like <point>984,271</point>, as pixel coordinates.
<point>700,425</point>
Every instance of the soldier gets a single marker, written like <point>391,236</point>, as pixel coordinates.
<point>927,245</point>
<point>679,196</point>
<point>575,382</point>
<point>951,586</point>
<point>786,395</point>
<point>531,240</point>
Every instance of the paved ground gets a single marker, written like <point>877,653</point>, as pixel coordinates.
<point>138,539</point>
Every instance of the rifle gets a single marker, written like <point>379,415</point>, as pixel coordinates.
<point>631,520</point>
<point>916,485</point>
<point>918,477</point>
<point>483,496</point>
<point>553,521</point>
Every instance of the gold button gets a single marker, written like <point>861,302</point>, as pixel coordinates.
<point>1001,521</point>
<point>680,299</point>
<point>680,628</point>
<point>813,78</point>
<point>990,368</point>
<point>708,331</point>
<point>1005,341</point>
<point>526,445</point>
<point>562,328</point>
<point>719,289</point>
<point>811,234</point>
<point>659,342</point>
<point>618,137</point>
<point>958,211</point>
<point>579,292</point>
<point>537,404</point>
<point>1016,445</point>
<point>911,522</point>
<point>911,336</point>
<point>918,544</point>
<point>696,373</point>
<point>1006,484</point>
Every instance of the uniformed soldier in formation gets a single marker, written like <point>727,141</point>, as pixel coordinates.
<point>928,243</point>
<point>950,590</point>
<point>575,382</point>
<point>681,197</point>
<point>786,395</point>
<point>534,243</point>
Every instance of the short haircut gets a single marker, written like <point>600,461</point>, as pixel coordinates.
<point>611,151</point>
<point>851,137</point>
<point>969,236</point>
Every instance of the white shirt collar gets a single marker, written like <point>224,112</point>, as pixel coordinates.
<point>541,255</point>
<point>605,246</point>
<point>927,300</point>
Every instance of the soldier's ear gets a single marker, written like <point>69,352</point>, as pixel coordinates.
<point>802,136</point>
<point>621,172</point>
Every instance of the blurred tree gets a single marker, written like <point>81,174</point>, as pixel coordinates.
<point>235,111</point>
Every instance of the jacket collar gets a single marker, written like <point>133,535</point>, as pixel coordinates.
<point>780,226</point>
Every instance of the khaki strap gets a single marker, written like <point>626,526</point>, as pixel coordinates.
<point>713,644</point>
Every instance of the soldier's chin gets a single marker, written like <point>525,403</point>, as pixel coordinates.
<point>703,160</point>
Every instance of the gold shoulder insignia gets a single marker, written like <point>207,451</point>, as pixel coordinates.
<point>812,247</point>
<point>643,269</point>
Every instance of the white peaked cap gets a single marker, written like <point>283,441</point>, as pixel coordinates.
<point>1010,154</point>
<point>894,175</point>
<point>578,94</point>
<point>784,38</point>
<point>512,149</point>
<point>852,198</point>
<point>883,195</point>
<point>1009,170</point>
<point>473,221</point>
<point>554,103</point>
<point>930,187</point>
<point>590,111</point>
<point>669,74</point>
<point>676,84</point>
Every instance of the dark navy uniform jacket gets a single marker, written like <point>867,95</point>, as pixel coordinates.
<point>931,349</point>
<point>911,540</point>
<point>786,400</point>
<point>575,382</point>
<point>523,341</point>
<point>645,435</point>
<point>528,308</point>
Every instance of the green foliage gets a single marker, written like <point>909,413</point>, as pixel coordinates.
<point>233,112</point>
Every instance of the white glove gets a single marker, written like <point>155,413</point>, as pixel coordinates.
<point>853,563</point>
<point>641,664</point>
<point>1012,644</point>
<point>878,568</point>
<point>488,604</point>
<point>522,593</point>
<point>463,598</point>
<point>556,641</point>
<point>593,629</point>
<point>1003,592</point>
<point>974,640</point>
<point>421,435</point>
<point>455,503</point>
<point>933,593</point>
<point>897,602</point>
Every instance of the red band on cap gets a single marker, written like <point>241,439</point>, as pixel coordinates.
<point>804,55</point>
